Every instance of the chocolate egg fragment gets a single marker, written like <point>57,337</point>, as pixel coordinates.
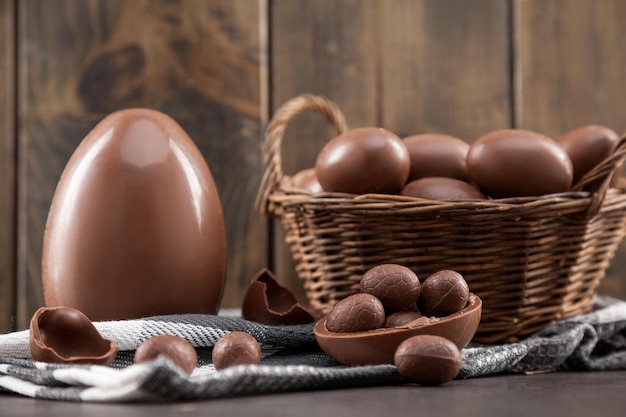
<point>136,226</point>
<point>177,349</point>
<point>516,163</point>
<point>437,155</point>
<point>66,335</point>
<point>363,160</point>
<point>428,359</point>
<point>268,302</point>
<point>441,189</point>
<point>355,313</point>
<point>236,348</point>
<point>587,146</point>
<point>396,286</point>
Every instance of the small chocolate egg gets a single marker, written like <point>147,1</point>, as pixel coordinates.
<point>66,335</point>
<point>175,348</point>
<point>356,313</point>
<point>437,155</point>
<point>396,286</point>
<point>236,348</point>
<point>442,188</point>
<point>587,146</point>
<point>400,318</point>
<point>517,163</point>
<point>428,359</point>
<point>136,226</point>
<point>443,293</point>
<point>363,160</point>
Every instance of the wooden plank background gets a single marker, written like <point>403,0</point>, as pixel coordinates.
<point>220,67</point>
<point>7,165</point>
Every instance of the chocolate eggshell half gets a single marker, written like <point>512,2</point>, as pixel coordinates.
<point>66,335</point>
<point>135,227</point>
<point>379,346</point>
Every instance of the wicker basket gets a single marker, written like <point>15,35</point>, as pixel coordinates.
<point>532,260</point>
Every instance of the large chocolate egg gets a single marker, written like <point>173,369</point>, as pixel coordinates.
<point>442,188</point>
<point>516,163</point>
<point>136,226</point>
<point>363,160</point>
<point>587,146</point>
<point>437,155</point>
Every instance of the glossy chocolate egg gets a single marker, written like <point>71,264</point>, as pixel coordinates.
<point>135,227</point>
<point>437,155</point>
<point>587,146</point>
<point>516,163</point>
<point>363,160</point>
<point>442,188</point>
<point>306,180</point>
<point>175,348</point>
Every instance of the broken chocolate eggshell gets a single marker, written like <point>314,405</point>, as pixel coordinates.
<point>66,335</point>
<point>268,302</point>
<point>379,346</point>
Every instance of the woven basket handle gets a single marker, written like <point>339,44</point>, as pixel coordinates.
<point>599,179</point>
<point>274,137</point>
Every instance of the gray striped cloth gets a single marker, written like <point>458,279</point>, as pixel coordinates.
<point>292,361</point>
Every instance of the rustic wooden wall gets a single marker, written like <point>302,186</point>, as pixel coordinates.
<point>221,66</point>
<point>7,165</point>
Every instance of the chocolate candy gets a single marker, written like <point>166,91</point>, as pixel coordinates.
<point>136,226</point>
<point>236,348</point>
<point>396,286</point>
<point>66,335</point>
<point>516,163</point>
<point>441,188</point>
<point>428,359</point>
<point>443,293</point>
<point>400,318</point>
<point>355,313</point>
<point>437,155</point>
<point>363,160</point>
<point>587,146</point>
<point>306,180</point>
<point>379,346</point>
<point>177,349</point>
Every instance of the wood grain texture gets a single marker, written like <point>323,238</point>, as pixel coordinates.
<point>571,59</point>
<point>197,60</point>
<point>408,66</point>
<point>7,164</point>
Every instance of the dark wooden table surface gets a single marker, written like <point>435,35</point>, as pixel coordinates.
<point>592,394</point>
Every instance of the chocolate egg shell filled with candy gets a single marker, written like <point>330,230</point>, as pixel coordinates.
<point>379,346</point>
<point>66,335</point>
<point>136,226</point>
